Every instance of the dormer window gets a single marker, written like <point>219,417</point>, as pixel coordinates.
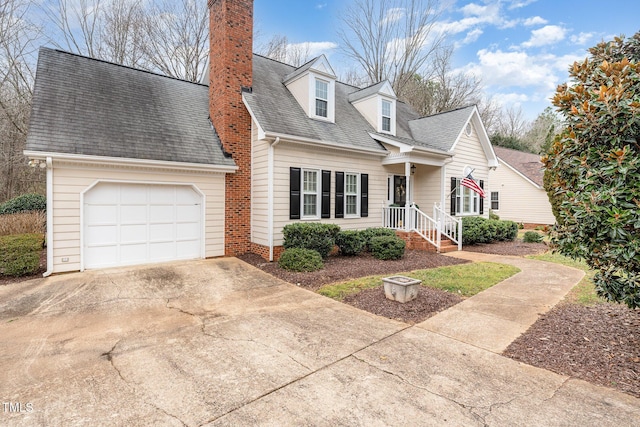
<point>386,116</point>
<point>322,98</point>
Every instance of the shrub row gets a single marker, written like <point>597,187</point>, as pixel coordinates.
<point>482,230</point>
<point>24,203</point>
<point>20,254</point>
<point>23,222</point>
<point>317,240</point>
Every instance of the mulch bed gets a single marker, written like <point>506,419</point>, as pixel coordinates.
<point>599,344</point>
<point>6,280</point>
<point>515,248</point>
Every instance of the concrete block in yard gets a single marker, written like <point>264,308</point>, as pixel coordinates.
<point>401,288</point>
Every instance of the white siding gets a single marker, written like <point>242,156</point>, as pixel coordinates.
<point>299,88</point>
<point>468,152</point>
<point>426,187</point>
<point>259,189</point>
<point>69,180</point>
<point>291,155</point>
<point>368,107</point>
<point>520,200</point>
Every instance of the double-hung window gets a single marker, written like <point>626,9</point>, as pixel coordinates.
<point>495,201</point>
<point>467,200</point>
<point>386,116</point>
<point>322,98</point>
<point>310,190</point>
<point>351,196</point>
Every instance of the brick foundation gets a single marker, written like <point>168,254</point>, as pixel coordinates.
<point>263,251</point>
<point>415,241</point>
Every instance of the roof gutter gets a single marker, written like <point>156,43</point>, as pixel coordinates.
<point>324,144</point>
<point>130,162</point>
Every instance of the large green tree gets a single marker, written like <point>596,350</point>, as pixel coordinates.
<point>594,167</point>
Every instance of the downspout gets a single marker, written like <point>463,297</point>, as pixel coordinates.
<point>270,192</point>
<point>49,218</point>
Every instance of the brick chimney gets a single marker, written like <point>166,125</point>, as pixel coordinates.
<point>230,58</point>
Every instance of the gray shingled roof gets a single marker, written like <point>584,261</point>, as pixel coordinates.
<point>441,130</point>
<point>527,164</point>
<point>367,91</point>
<point>91,107</point>
<point>277,111</point>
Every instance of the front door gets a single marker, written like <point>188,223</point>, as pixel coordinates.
<point>399,190</point>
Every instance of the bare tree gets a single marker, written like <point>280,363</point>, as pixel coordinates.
<point>178,38</point>
<point>75,25</point>
<point>511,123</point>
<point>122,33</point>
<point>279,48</point>
<point>391,39</point>
<point>17,56</point>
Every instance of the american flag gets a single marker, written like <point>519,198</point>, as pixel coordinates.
<point>470,183</point>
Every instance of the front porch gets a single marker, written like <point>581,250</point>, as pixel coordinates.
<point>440,232</point>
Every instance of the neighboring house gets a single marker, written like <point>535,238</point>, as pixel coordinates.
<point>517,191</point>
<point>145,168</point>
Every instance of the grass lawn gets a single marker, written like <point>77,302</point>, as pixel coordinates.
<point>584,293</point>
<point>464,279</point>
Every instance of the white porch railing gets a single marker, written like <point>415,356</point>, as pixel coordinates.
<point>450,226</point>
<point>431,229</point>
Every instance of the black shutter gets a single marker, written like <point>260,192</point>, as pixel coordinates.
<point>339,194</point>
<point>454,209</point>
<point>294,193</point>
<point>326,194</point>
<point>364,195</point>
<point>481,198</point>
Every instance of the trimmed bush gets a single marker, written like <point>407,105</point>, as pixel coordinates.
<point>24,203</point>
<point>387,247</point>
<point>481,230</point>
<point>311,235</point>
<point>350,242</point>
<point>20,254</point>
<point>299,259</point>
<point>369,233</point>
<point>532,237</point>
<point>493,215</point>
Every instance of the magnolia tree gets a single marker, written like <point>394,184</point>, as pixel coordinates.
<point>594,167</point>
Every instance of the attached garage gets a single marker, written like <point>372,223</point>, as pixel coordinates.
<point>129,223</point>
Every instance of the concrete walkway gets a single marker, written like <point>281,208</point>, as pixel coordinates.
<point>218,342</point>
<point>494,318</point>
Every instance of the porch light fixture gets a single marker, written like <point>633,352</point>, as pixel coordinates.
<point>413,169</point>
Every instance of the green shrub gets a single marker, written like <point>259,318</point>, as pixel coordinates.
<point>506,231</point>
<point>311,235</point>
<point>369,233</point>
<point>476,229</point>
<point>20,254</point>
<point>299,259</point>
<point>350,242</point>
<point>493,215</point>
<point>387,247</point>
<point>532,237</point>
<point>24,203</point>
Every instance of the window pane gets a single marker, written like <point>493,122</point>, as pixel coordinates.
<point>351,184</point>
<point>310,181</point>
<point>321,89</point>
<point>309,205</point>
<point>351,207</point>
<point>386,124</point>
<point>321,108</point>
<point>386,108</point>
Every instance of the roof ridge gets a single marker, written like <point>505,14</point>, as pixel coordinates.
<point>448,111</point>
<point>104,61</point>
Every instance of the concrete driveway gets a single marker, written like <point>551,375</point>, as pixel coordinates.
<point>218,342</point>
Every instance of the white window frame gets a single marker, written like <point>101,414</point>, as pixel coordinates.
<point>466,194</point>
<point>497,200</point>
<point>357,195</point>
<point>384,102</point>
<point>304,192</point>
<point>318,98</point>
<point>391,116</point>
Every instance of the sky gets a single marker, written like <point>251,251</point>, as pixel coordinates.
<point>520,49</point>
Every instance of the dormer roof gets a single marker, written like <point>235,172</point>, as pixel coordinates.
<point>382,88</point>
<point>319,65</point>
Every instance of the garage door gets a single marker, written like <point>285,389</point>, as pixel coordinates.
<point>127,224</point>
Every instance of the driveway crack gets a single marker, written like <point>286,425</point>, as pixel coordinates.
<point>109,355</point>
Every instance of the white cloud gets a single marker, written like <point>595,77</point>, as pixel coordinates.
<point>517,4</point>
<point>512,98</point>
<point>546,35</point>
<point>534,20</point>
<point>472,36</point>
<point>394,14</point>
<point>321,5</point>
<point>582,38</point>
<point>313,48</point>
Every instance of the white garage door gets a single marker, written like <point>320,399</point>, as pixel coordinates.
<point>127,224</point>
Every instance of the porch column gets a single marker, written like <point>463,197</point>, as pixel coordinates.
<point>407,202</point>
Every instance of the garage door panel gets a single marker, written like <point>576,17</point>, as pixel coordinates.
<point>189,213</point>
<point>133,233</point>
<point>101,235</point>
<point>130,214</point>
<point>102,214</point>
<point>137,223</point>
